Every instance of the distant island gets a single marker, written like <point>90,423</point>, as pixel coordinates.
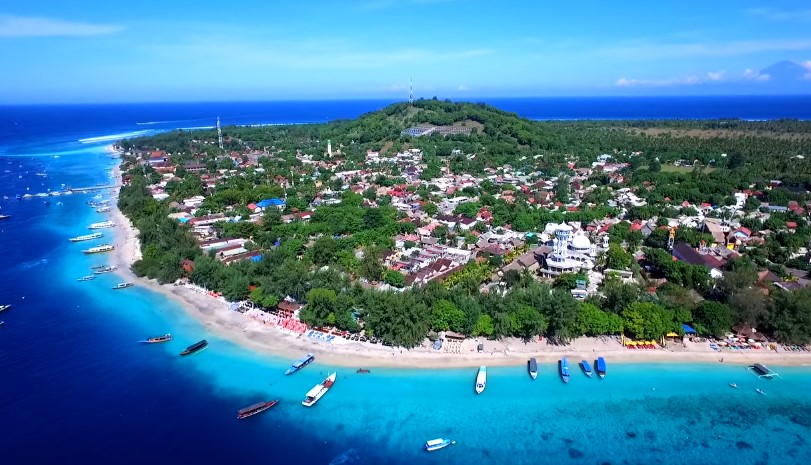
<point>447,221</point>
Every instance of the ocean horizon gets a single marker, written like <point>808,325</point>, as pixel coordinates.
<point>78,386</point>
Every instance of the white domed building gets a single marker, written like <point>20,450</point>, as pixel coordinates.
<point>572,251</point>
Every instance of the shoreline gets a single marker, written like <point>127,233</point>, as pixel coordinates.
<point>261,338</point>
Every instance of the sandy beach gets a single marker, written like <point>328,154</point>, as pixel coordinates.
<point>248,332</point>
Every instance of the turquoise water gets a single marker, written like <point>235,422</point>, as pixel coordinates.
<point>72,376</point>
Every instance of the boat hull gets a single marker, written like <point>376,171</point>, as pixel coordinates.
<point>532,368</point>
<point>304,362</point>
<point>317,392</point>
<point>563,369</point>
<point>267,405</point>
<point>481,380</point>
<point>437,444</point>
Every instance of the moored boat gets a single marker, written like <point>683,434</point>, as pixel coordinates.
<point>760,391</point>
<point>194,348</point>
<point>104,209</point>
<point>154,340</point>
<point>300,363</point>
<point>102,225</point>
<point>438,443</point>
<point>5,307</point>
<point>600,365</point>
<point>319,390</point>
<point>532,366</point>
<point>563,368</point>
<point>252,410</point>
<point>99,249</point>
<point>123,285</point>
<point>584,365</point>
<point>86,278</point>
<point>86,237</point>
<point>733,385</point>
<point>106,269</point>
<point>3,217</point>
<point>481,379</point>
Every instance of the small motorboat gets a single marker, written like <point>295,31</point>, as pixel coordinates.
<point>195,348</point>
<point>760,391</point>
<point>5,307</point>
<point>481,380</point>
<point>363,371</point>
<point>532,367</point>
<point>123,285</point>
<point>436,444</point>
<point>584,365</point>
<point>733,385</point>
<point>255,408</point>
<point>86,278</point>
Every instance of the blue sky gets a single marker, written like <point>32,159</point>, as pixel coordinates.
<point>179,50</point>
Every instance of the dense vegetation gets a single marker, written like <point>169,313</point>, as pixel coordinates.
<point>319,262</point>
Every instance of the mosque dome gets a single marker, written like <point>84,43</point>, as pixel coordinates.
<point>581,242</point>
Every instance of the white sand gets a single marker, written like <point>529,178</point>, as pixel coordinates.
<point>263,338</point>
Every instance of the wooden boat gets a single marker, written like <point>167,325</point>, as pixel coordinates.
<point>584,365</point>
<point>733,385</point>
<point>600,365</point>
<point>123,285</point>
<point>195,348</point>
<point>255,408</point>
<point>154,340</point>
<point>87,278</point>
<point>86,237</point>
<point>563,368</point>
<point>438,443</point>
<point>319,390</point>
<point>760,391</point>
<point>363,371</point>
<point>105,269</point>
<point>532,367</point>
<point>5,307</point>
<point>99,249</point>
<point>481,379</point>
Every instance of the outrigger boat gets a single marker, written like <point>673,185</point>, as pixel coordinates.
<point>563,368</point>
<point>86,237</point>
<point>5,307</point>
<point>733,385</point>
<point>481,379</point>
<point>300,363</point>
<point>532,366</point>
<point>319,390</point>
<point>123,285</point>
<point>584,365</point>
<point>87,278</point>
<point>255,408</point>
<point>600,364</point>
<point>759,391</point>
<point>154,340</point>
<point>194,348</point>
<point>438,443</point>
<point>102,225</point>
<point>99,249</point>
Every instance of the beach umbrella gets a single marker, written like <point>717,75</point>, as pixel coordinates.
<point>633,343</point>
<point>750,340</point>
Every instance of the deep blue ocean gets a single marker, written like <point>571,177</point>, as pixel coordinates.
<point>75,386</point>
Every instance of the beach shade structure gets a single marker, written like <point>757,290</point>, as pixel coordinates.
<point>688,329</point>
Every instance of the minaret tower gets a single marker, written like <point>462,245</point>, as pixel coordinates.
<point>410,91</point>
<point>329,148</point>
<point>219,133</point>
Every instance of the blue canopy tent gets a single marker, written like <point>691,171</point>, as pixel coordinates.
<point>688,329</point>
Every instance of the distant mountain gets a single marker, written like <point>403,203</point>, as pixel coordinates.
<point>787,72</point>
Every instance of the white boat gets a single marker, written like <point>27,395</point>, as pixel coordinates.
<point>532,366</point>
<point>733,385</point>
<point>319,390</point>
<point>107,269</point>
<point>103,210</point>
<point>760,391</point>
<point>481,379</point>
<point>86,278</point>
<point>123,285</point>
<point>102,225</point>
<point>438,443</point>
<point>99,249</point>
<point>5,307</point>
<point>86,237</point>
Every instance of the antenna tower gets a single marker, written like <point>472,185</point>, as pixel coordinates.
<point>219,132</point>
<point>410,91</point>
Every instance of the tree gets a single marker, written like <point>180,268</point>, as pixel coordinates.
<point>527,322</point>
<point>617,295</point>
<point>446,316</point>
<point>430,208</point>
<point>715,317</point>
<point>484,326</point>
<point>646,320</point>
<point>320,305</point>
<point>617,258</point>
<point>394,278</point>
<point>371,267</point>
<point>324,250</point>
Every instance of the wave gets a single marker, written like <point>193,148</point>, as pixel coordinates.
<point>194,128</point>
<point>112,137</point>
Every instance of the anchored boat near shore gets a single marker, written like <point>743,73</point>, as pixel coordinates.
<point>87,278</point>
<point>102,225</point>
<point>600,364</point>
<point>301,363</point>
<point>563,368</point>
<point>154,340</point>
<point>584,365</point>
<point>319,390</point>
<point>195,348</point>
<point>481,379</point>
<point>252,410</point>
<point>532,366</point>
<point>123,285</point>
<point>106,269</point>
<point>86,237</point>
<point>99,249</point>
<point>438,443</point>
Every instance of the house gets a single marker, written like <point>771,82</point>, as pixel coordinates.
<point>274,202</point>
<point>466,223</point>
<point>683,252</point>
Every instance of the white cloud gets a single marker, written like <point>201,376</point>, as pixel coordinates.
<point>648,50</point>
<point>772,14</point>
<point>716,76</point>
<point>807,66</point>
<point>462,88</point>
<point>753,75</point>
<point>32,26</point>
